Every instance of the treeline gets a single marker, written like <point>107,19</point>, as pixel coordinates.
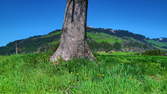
<point>155,52</point>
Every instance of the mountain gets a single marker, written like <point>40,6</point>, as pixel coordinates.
<point>99,39</point>
<point>161,39</point>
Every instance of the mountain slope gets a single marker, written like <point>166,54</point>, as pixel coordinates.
<point>99,39</point>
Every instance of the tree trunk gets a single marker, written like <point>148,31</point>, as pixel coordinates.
<point>73,39</point>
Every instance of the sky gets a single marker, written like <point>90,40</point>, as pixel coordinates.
<point>21,19</point>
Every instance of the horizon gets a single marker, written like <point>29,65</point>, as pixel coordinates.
<point>140,17</point>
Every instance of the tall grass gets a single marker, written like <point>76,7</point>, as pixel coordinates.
<point>110,74</point>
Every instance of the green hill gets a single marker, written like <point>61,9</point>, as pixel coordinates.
<point>99,39</point>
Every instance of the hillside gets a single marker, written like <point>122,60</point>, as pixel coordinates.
<point>99,39</point>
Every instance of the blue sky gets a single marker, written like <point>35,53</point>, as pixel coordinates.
<point>24,18</point>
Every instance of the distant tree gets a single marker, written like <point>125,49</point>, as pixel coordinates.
<point>155,52</point>
<point>117,46</point>
<point>16,48</point>
<point>73,44</point>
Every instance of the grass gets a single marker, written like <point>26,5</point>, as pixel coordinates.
<point>102,37</point>
<point>157,44</point>
<point>57,33</point>
<point>118,53</point>
<point>109,74</point>
<point>124,53</point>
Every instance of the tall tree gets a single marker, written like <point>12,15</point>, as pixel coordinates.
<point>73,39</point>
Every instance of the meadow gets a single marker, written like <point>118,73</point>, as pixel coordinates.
<point>115,73</point>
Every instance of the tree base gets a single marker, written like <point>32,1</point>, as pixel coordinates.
<point>72,51</point>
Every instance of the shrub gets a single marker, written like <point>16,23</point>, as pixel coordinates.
<point>154,53</point>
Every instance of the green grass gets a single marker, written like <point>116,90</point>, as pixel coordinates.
<point>123,53</point>
<point>102,37</point>
<point>157,44</point>
<point>116,53</point>
<point>57,33</point>
<point>109,74</point>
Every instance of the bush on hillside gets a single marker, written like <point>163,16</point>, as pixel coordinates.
<point>155,53</point>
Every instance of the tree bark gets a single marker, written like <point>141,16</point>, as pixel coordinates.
<point>73,39</point>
